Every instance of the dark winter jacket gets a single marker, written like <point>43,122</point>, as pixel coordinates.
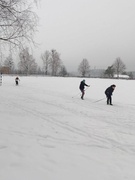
<point>109,90</point>
<point>82,84</point>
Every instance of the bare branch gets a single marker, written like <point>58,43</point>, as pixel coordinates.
<point>18,22</point>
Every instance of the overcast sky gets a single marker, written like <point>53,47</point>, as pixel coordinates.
<point>98,30</point>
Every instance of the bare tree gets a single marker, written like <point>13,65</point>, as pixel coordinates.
<point>9,63</point>
<point>131,75</point>
<point>84,67</point>
<point>119,66</point>
<point>46,61</point>
<point>55,62</point>
<point>110,71</point>
<point>17,22</point>
<point>63,71</point>
<point>27,63</point>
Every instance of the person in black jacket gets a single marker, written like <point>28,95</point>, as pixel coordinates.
<point>108,93</point>
<point>81,87</point>
<point>17,81</point>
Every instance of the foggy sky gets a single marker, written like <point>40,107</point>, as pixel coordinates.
<point>98,30</point>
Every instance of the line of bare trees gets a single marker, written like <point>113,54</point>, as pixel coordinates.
<point>117,68</point>
<point>18,23</point>
<point>53,65</point>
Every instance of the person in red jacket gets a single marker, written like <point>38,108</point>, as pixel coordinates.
<point>81,87</point>
<point>108,93</point>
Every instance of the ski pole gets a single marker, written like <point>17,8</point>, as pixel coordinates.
<point>78,93</point>
<point>75,95</point>
<point>86,89</point>
<point>99,100</point>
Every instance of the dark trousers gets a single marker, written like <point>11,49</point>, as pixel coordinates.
<point>82,90</point>
<point>109,99</point>
<point>16,82</point>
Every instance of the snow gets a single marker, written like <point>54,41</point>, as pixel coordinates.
<point>48,133</point>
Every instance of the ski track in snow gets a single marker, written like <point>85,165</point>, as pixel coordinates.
<point>51,119</point>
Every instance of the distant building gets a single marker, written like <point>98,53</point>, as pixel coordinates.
<point>121,76</point>
<point>4,70</point>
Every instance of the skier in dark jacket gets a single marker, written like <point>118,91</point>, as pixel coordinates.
<point>17,81</point>
<point>108,93</point>
<point>81,87</point>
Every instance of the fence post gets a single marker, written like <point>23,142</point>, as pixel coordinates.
<point>0,79</point>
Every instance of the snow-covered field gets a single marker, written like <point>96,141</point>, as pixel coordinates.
<point>48,133</point>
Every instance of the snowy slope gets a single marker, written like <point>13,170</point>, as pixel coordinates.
<point>48,133</point>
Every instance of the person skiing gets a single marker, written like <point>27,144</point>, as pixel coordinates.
<point>81,87</point>
<point>17,80</point>
<point>108,93</point>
